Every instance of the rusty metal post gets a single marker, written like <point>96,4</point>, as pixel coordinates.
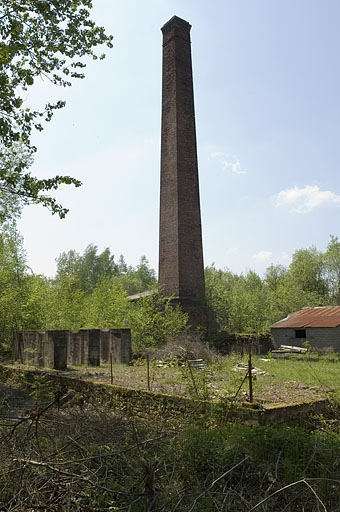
<point>249,373</point>
<point>148,371</point>
<point>111,368</point>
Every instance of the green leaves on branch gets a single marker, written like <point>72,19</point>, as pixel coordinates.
<point>46,39</point>
<point>16,182</point>
<point>247,303</point>
<point>50,40</point>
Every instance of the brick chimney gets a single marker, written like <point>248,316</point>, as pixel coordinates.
<point>181,268</point>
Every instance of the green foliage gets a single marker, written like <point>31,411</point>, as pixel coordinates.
<point>108,306</point>
<point>42,39</point>
<point>247,303</point>
<point>306,271</point>
<point>153,320</point>
<point>218,284</point>
<point>13,285</point>
<point>236,303</point>
<point>41,392</point>
<point>88,270</point>
<point>19,188</point>
<point>260,460</point>
<point>332,270</point>
<point>64,307</point>
<point>92,290</point>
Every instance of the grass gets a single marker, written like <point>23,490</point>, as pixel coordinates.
<point>84,456</point>
<point>315,370</point>
<point>304,375</point>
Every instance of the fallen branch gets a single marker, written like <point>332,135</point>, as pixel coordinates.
<point>215,482</point>
<point>67,474</point>
<point>302,481</point>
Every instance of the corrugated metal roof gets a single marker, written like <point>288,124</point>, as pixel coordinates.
<point>325,316</point>
<point>140,295</point>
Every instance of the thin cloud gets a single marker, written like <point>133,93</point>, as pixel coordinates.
<point>262,256</point>
<point>231,251</point>
<point>232,164</point>
<point>304,200</point>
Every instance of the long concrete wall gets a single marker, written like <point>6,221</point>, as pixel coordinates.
<point>59,349</point>
<point>227,343</point>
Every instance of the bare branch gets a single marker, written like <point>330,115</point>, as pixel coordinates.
<point>67,474</point>
<point>293,484</point>
<point>215,482</point>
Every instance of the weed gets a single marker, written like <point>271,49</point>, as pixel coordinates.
<point>41,391</point>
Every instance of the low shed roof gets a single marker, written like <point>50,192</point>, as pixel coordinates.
<point>325,316</point>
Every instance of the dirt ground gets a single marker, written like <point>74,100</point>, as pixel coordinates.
<point>15,401</point>
<point>173,381</point>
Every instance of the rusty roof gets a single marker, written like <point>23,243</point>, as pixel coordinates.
<point>324,316</point>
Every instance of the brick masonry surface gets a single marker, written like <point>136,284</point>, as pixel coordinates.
<point>181,268</point>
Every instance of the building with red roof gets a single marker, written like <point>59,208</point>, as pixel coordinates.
<point>319,326</point>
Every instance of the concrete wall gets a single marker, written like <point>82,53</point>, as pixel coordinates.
<point>62,348</point>
<point>227,343</point>
<point>324,339</point>
<point>118,343</point>
<point>33,346</point>
<point>172,410</point>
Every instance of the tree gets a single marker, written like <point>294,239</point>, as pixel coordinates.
<point>19,188</point>
<point>273,276</point>
<point>108,306</point>
<point>307,269</point>
<point>248,304</point>
<point>47,39</point>
<point>236,303</point>
<point>13,290</point>
<point>94,267</point>
<point>218,286</point>
<point>10,203</point>
<point>136,280</point>
<point>332,269</point>
<point>65,306</point>
<point>153,320</point>
<point>280,292</point>
<point>86,271</point>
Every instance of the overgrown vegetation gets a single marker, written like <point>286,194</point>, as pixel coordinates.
<point>64,451</point>
<point>249,303</point>
<point>75,454</point>
<point>92,290</point>
<point>295,379</point>
<point>88,291</point>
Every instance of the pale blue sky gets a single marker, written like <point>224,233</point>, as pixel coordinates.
<point>266,81</point>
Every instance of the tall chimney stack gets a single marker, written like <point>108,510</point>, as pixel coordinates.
<point>181,268</point>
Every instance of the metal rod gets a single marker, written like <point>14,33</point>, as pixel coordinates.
<point>249,373</point>
<point>111,368</point>
<point>148,371</point>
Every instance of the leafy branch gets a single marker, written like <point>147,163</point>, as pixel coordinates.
<point>50,40</point>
